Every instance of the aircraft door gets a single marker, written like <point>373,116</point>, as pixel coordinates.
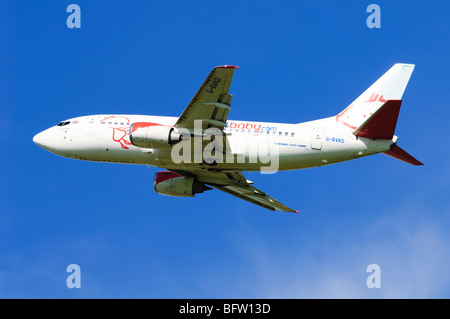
<point>316,141</point>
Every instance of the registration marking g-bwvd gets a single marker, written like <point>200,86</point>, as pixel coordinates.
<point>334,139</point>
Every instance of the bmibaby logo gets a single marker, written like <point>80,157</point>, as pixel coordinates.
<point>244,126</point>
<point>120,127</point>
<point>255,127</point>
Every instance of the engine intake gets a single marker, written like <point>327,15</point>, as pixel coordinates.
<point>153,135</point>
<point>172,184</point>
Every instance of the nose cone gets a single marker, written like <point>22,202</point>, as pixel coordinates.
<point>38,139</point>
<point>48,140</point>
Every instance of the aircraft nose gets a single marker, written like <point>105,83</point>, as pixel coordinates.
<point>38,139</point>
<point>47,140</point>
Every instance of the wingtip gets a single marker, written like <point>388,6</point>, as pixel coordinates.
<point>227,67</point>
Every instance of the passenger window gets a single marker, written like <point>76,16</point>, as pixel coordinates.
<point>292,134</point>
<point>286,134</point>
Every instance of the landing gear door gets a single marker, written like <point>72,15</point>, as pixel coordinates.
<point>316,142</point>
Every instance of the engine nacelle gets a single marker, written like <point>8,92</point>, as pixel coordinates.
<point>172,184</point>
<point>153,135</point>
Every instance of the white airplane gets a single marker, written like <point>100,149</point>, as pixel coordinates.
<point>203,149</point>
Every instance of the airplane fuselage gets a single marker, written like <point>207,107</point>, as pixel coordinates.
<point>275,146</point>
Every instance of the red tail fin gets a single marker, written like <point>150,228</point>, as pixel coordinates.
<point>398,153</point>
<point>381,124</point>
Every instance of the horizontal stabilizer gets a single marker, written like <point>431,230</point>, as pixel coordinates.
<point>399,153</point>
<point>381,124</point>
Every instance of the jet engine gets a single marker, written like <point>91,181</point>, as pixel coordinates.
<point>153,135</point>
<point>172,184</point>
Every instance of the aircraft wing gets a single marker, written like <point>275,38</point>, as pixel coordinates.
<point>255,196</point>
<point>211,105</point>
<point>236,184</point>
<point>212,101</point>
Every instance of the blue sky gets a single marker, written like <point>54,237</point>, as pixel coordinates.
<point>299,61</point>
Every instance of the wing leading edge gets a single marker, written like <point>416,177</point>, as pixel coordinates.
<point>211,103</point>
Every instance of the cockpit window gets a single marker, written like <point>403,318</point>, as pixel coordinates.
<point>63,123</point>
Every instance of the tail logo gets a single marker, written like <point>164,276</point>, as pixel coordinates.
<point>374,98</point>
